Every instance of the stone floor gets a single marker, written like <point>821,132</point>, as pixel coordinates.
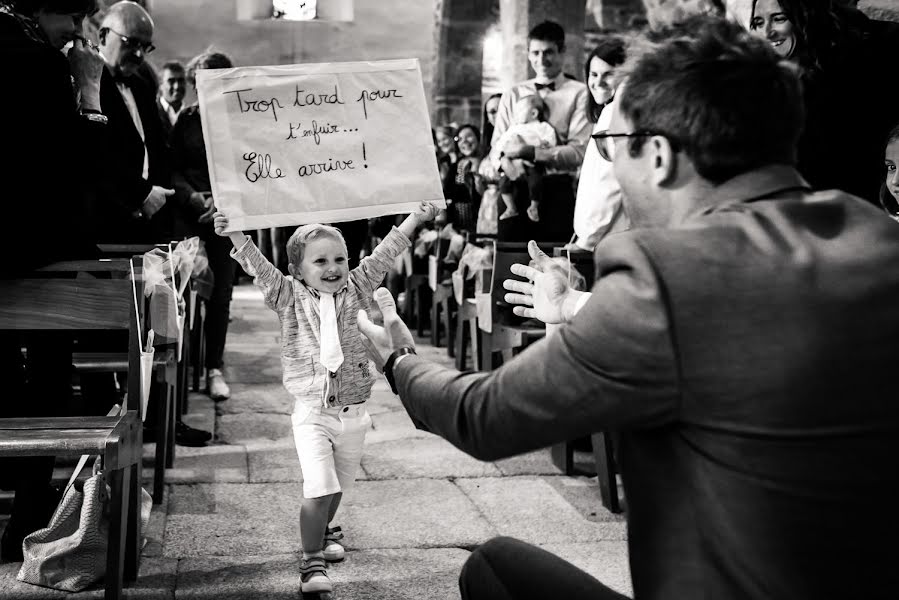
<point>229,528</point>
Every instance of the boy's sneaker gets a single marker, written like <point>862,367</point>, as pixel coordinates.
<point>218,389</point>
<point>314,576</point>
<point>331,547</point>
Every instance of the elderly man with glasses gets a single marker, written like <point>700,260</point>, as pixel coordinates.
<point>136,182</point>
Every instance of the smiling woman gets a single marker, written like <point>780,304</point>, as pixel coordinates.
<point>770,20</point>
<point>842,55</point>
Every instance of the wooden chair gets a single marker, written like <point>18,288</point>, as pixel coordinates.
<point>169,376</point>
<point>603,450</point>
<point>467,332</point>
<point>442,300</point>
<point>417,294</point>
<point>501,331</point>
<point>67,304</point>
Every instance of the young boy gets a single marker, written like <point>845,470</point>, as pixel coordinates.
<point>325,365</point>
<point>530,127</point>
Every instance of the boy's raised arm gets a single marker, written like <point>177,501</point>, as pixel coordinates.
<point>276,287</point>
<point>373,268</point>
<point>426,212</point>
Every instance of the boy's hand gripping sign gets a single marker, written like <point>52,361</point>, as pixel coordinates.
<point>296,144</point>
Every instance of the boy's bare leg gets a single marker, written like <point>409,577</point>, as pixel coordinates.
<point>335,503</point>
<point>534,211</point>
<point>314,516</point>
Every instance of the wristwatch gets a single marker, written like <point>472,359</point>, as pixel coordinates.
<point>94,115</point>
<point>388,366</point>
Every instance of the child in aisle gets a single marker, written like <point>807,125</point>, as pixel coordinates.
<point>325,364</point>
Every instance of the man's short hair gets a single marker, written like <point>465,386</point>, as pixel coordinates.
<point>207,60</point>
<point>173,65</point>
<point>304,234</point>
<point>548,31</point>
<point>719,94</point>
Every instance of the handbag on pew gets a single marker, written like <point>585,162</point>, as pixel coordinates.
<point>70,553</point>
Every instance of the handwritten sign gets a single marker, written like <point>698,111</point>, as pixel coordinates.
<point>317,143</point>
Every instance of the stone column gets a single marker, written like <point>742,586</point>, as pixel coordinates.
<point>461,25</point>
<point>519,16</point>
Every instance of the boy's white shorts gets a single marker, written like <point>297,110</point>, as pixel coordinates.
<point>329,444</point>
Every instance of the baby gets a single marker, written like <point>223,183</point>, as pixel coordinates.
<point>530,127</point>
<point>325,365</point>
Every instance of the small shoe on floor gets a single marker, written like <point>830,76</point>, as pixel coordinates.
<point>186,435</point>
<point>332,548</point>
<point>314,576</point>
<point>215,382</point>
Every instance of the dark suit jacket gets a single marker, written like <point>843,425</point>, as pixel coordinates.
<point>748,360</point>
<point>164,122</point>
<point>124,188</point>
<point>47,154</point>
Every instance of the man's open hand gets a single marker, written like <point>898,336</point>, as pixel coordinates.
<point>547,295</point>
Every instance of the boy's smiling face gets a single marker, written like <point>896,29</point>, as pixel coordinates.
<point>324,265</point>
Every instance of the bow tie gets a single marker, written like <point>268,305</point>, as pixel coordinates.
<point>551,86</point>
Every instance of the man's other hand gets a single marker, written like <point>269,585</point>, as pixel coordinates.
<point>381,342</point>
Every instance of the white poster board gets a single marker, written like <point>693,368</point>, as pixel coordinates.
<point>317,143</point>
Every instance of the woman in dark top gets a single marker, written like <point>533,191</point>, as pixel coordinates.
<point>193,191</point>
<point>459,187</point>
<point>843,56</point>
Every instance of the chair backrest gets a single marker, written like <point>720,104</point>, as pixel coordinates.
<point>73,304</point>
<point>77,304</point>
<point>436,266</point>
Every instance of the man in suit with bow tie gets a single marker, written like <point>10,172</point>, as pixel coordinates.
<point>566,100</point>
<point>135,188</point>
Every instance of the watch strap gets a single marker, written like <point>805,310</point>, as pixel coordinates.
<point>388,366</point>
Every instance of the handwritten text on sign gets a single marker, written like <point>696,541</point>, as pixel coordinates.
<point>317,143</point>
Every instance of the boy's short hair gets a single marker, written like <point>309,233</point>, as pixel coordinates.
<point>537,102</point>
<point>304,234</point>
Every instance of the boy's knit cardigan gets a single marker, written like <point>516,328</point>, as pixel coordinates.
<point>297,306</point>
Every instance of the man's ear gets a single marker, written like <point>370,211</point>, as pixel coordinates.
<point>664,160</point>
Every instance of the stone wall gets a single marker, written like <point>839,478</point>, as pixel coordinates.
<point>380,30</point>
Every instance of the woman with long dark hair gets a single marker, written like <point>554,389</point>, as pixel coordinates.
<point>597,207</point>
<point>842,55</point>
<point>460,190</point>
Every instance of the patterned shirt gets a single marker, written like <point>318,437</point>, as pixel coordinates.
<point>297,306</point>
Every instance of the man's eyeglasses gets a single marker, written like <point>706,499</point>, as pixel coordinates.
<point>605,141</point>
<point>133,44</point>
